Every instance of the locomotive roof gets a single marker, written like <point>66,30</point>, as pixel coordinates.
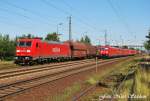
<point>24,39</point>
<point>52,42</point>
<point>31,39</point>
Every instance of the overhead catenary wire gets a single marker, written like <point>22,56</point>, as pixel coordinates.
<point>15,13</point>
<point>37,14</point>
<point>67,4</point>
<point>41,16</point>
<point>89,26</point>
<point>48,3</point>
<point>79,18</point>
<point>4,21</point>
<point>13,24</point>
<point>120,17</point>
<point>70,7</point>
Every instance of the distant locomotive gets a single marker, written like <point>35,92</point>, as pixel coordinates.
<point>37,50</point>
<point>109,51</point>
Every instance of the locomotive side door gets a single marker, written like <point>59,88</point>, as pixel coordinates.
<point>37,49</point>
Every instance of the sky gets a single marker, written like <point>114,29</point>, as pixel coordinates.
<point>125,21</point>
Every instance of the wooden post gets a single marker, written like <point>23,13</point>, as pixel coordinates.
<point>96,64</point>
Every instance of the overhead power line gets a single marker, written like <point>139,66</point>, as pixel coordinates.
<point>120,17</point>
<point>48,3</point>
<point>67,4</point>
<point>79,18</point>
<point>37,14</point>
<point>16,13</point>
<point>52,5</point>
<point>26,19</point>
<point>13,24</point>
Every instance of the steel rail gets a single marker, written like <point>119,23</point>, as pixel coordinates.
<point>19,86</point>
<point>24,68</point>
<point>14,88</point>
<point>31,70</point>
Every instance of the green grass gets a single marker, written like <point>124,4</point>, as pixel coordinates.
<point>142,80</point>
<point>122,67</point>
<point>7,65</point>
<point>67,93</point>
<point>125,90</point>
<point>141,87</point>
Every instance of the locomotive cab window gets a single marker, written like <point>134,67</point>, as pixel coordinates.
<point>21,43</point>
<point>28,44</point>
<point>103,48</point>
<point>24,44</point>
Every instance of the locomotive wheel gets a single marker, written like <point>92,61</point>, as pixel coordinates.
<point>31,63</point>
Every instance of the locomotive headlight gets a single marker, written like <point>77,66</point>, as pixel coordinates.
<point>17,50</point>
<point>16,57</point>
<point>106,52</point>
<point>27,58</point>
<point>28,51</point>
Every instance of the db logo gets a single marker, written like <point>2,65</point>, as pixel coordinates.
<point>56,49</point>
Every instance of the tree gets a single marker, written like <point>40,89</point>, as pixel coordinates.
<point>27,36</point>
<point>85,40</point>
<point>52,37</point>
<point>147,43</point>
<point>82,40</point>
<point>132,48</point>
<point>7,47</point>
<point>125,47</point>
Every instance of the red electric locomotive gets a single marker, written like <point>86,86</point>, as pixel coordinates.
<point>29,50</point>
<point>109,51</point>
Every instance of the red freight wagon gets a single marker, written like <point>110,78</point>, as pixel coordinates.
<point>82,50</point>
<point>29,50</point>
<point>91,50</point>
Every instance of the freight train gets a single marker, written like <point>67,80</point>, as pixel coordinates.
<point>36,50</point>
<point>29,51</point>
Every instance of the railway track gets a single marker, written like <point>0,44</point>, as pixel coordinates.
<point>93,87</point>
<point>24,68</point>
<point>18,83</point>
<point>27,70</point>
